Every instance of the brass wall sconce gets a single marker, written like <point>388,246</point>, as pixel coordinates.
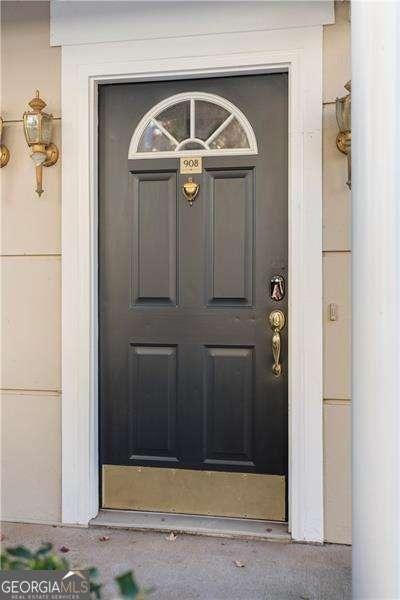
<point>38,133</point>
<point>4,151</point>
<point>343,118</point>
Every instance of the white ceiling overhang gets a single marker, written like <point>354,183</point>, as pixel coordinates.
<point>94,21</point>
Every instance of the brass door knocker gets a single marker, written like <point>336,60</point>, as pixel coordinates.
<point>190,190</point>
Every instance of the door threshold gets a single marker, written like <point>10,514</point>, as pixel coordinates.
<point>228,527</point>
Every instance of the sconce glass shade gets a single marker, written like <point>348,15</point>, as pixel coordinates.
<point>37,124</point>
<point>37,128</point>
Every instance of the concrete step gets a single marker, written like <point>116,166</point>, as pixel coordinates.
<point>249,529</point>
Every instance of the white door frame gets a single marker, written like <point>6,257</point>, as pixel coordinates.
<point>84,67</point>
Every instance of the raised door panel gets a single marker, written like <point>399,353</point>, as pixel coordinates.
<point>228,406</point>
<point>152,398</point>
<point>230,238</point>
<point>154,247</point>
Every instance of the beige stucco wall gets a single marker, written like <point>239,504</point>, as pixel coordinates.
<point>30,261</point>
<point>336,261</point>
<point>30,277</point>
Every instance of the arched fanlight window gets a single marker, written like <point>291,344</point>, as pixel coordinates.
<point>193,123</point>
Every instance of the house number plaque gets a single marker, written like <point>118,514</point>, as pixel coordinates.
<point>191,164</point>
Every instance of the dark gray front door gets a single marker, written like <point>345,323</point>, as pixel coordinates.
<point>186,378</point>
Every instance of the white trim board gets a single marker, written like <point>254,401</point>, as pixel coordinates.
<point>113,21</point>
<point>298,51</point>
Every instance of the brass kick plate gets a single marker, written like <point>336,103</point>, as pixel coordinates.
<point>243,495</point>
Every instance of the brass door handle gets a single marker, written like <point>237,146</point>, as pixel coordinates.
<point>277,323</point>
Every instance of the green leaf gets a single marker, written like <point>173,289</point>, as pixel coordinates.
<point>44,549</point>
<point>4,560</point>
<point>95,589</point>
<point>18,565</point>
<point>54,563</point>
<point>20,552</point>
<point>127,585</point>
<point>93,572</point>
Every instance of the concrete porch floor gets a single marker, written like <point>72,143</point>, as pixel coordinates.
<point>199,568</point>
